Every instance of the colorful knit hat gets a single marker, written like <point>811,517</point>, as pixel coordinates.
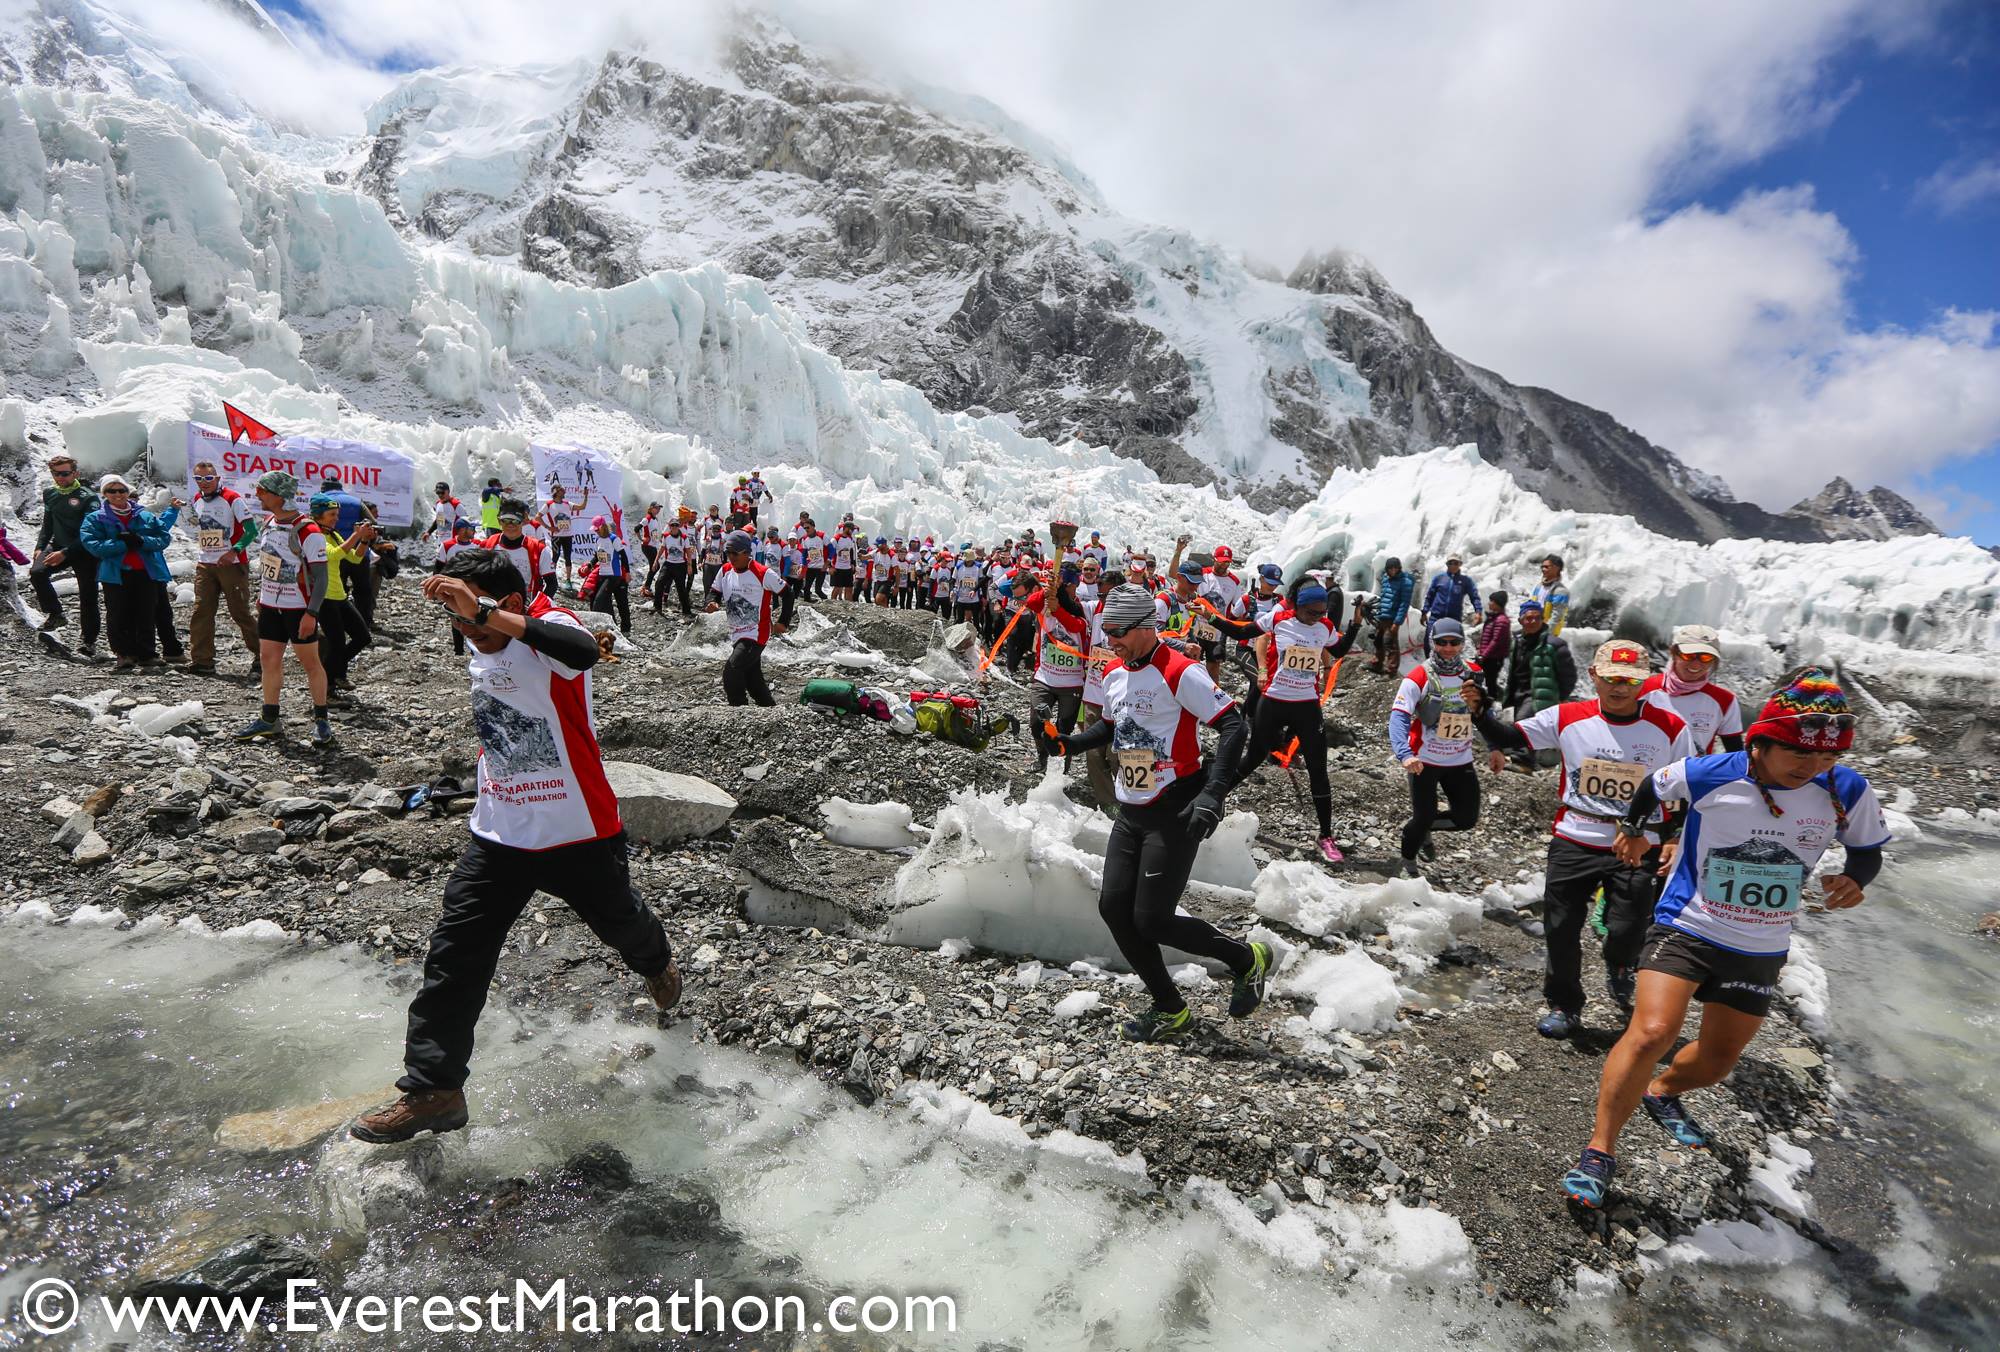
<point>1810,713</point>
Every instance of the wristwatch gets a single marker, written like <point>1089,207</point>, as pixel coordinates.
<point>1631,832</point>
<point>487,605</point>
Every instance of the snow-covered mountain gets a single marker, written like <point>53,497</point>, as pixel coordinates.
<point>928,236</point>
<point>1843,512</point>
<point>159,254</point>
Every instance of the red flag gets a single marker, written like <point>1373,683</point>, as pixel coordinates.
<point>242,425</point>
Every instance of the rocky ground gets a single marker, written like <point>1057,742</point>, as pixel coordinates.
<point>1460,1106</point>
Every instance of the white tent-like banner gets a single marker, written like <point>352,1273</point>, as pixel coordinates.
<point>379,476</point>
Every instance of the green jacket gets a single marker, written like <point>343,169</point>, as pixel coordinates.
<point>62,518</point>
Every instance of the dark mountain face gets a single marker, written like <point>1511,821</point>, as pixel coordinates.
<point>1841,512</point>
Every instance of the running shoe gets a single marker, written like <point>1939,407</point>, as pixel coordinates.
<point>1666,1109</point>
<point>1157,1025</point>
<point>1248,990</point>
<point>322,734</point>
<point>1622,983</point>
<point>1427,851</point>
<point>255,728</point>
<point>1586,1183</point>
<point>1559,1023</point>
<point>1330,851</point>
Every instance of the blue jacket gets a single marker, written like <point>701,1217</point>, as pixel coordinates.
<point>1448,595</point>
<point>100,535</point>
<point>1392,597</point>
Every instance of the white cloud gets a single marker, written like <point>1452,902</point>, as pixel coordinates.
<point>1961,184</point>
<point>1503,165</point>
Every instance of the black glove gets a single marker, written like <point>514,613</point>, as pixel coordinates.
<point>1202,816</point>
<point>131,538</point>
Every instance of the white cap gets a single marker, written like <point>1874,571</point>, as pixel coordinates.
<point>111,479</point>
<point>1698,638</point>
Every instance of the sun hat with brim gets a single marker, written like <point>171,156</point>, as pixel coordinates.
<point>1621,657</point>
<point>1698,638</point>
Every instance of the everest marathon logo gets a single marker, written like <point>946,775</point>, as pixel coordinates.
<point>51,1306</point>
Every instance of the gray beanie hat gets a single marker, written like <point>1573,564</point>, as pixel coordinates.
<point>1129,607</point>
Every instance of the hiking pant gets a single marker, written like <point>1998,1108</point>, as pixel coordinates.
<point>1053,704</point>
<point>1575,872</point>
<point>1273,724</point>
<point>80,565</point>
<point>343,633</point>
<point>1147,861</point>
<point>227,582</point>
<point>487,891</point>
<point>743,674</point>
<point>675,576</point>
<point>614,591</point>
<point>1461,792</point>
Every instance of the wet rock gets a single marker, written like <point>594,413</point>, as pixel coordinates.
<point>255,1265</point>
<point>663,808</point>
<point>363,1186</point>
<point>295,1127</point>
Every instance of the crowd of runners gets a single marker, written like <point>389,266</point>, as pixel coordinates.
<point>1690,831</point>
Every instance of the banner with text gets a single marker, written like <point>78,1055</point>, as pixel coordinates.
<point>384,478</point>
<point>592,482</point>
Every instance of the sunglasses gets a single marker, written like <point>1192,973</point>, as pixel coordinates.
<point>116,492</point>
<point>1120,631</point>
<point>1634,681</point>
<point>1820,722</point>
<point>63,471</point>
<point>1447,643</point>
<point>507,520</point>
<point>1706,659</point>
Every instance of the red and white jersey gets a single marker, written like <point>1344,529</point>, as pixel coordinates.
<point>541,779</point>
<point>1224,591</point>
<point>1595,791</point>
<point>675,546</point>
<point>1062,643</point>
<point>285,551</point>
<point>1295,655</point>
<point>1450,741</point>
<point>217,524</point>
<point>843,553</point>
<point>444,512</point>
<point>525,554</point>
<point>814,544</point>
<point>649,529</point>
<point>1155,713</point>
<point>1709,711</point>
<point>746,600</point>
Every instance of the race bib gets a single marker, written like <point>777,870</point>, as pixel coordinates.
<point>1135,768</point>
<point>1773,888</point>
<point>1615,781</point>
<point>1100,660</point>
<point>711,556</point>
<point>1062,659</point>
<point>211,539</point>
<point>1454,727</point>
<point>270,567</point>
<point>1205,632</point>
<point>1301,659</point>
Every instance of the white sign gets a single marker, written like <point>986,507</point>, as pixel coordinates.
<point>592,482</point>
<point>383,478</point>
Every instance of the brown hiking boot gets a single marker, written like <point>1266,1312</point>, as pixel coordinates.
<point>665,988</point>
<point>418,1110</point>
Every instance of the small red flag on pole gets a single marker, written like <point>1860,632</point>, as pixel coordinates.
<point>242,425</point>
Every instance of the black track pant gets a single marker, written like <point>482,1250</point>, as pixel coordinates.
<point>674,576</point>
<point>788,600</point>
<point>614,591</point>
<point>743,674</point>
<point>484,897</point>
<point>83,567</point>
<point>1575,872</point>
<point>1057,705</point>
<point>344,633</point>
<point>1146,867</point>
<point>1461,792</point>
<point>816,584</point>
<point>131,610</point>
<point>1273,724</point>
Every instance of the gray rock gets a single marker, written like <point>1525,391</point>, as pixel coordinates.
<point>363,1186</point>
<point>154,881</point>
<point>662,808</point>
<point>348,821</point>
<point>257,1265</point>
<point>249,833</point>
<point>376,798</point>
<point>74,828</point>
<point>59,810</point>
<point>92,850</point>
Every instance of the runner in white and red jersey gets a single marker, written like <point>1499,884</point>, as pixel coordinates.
<point>546,819</point>
<point>514,542</point>
<point>1609,745</point>
<point>1155,702</point>
<point>1062,650</point>
<point>1299,653</point>
<point>1687,687</point>
<point>744,589</point>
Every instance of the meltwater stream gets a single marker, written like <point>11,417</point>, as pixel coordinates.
<point>121,1050</point>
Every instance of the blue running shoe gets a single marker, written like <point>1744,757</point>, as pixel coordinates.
<point>1559,1023</point>
<point>256,728</point>
<point>1586,1183</point>
<point>1667,1111</point>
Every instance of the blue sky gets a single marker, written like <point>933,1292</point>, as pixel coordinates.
<point>1905,115</point>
